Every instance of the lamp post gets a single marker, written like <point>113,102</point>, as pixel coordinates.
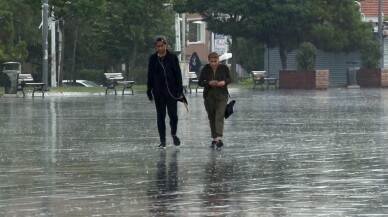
<point>45,42</point>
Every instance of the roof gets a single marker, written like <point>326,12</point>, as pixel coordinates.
<point>371,7</point>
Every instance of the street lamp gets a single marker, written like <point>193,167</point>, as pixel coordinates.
<point>45,42</point>
<point>178,47</point>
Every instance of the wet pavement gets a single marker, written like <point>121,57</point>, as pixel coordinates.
<point>287,153</point>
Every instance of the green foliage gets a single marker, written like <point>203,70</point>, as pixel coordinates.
<point>7,31</point>
<point>305,56</point>
<point>91,74</point>
<point>27,35</point>
<point>10,50</point>
<point>245,81</point>
<point>140,75</point>
<point>6,35</point>
<point>127,34</point>
<point>251,54</point>
<point>337,26</point>
<point>331,25</point>
<point>370,54</point>
<point>21,52</point>
<point>112,32</point>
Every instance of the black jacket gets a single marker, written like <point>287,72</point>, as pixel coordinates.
<point>222,74</point>
<point>157,75</point>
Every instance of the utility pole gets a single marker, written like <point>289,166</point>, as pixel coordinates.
<point>380,32</point>
<point>45,42</point>
<point>183,46</point>
<point>178,42</point>
<point>53,51</point>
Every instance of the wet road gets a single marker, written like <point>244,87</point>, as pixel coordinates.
<point>287,153</point>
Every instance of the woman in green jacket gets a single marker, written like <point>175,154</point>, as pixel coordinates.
<point>215,78</point>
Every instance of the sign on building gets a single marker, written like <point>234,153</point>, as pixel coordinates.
<point>220,45</point>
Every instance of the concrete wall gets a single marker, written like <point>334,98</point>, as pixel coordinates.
<point>337,64</point>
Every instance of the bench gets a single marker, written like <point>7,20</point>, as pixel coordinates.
<point>258,78</point>
<point>114,79</point>
<point>193,80</point>
<point>271,81</point>
<point>26,80</point>
<point>261,78</point>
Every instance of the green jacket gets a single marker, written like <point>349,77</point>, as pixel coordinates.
<point>222,74</point>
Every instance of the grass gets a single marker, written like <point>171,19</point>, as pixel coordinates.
<point>242,83</point>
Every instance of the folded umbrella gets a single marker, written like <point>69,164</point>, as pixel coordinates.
<point>184,101</point>
<point>229,109</point>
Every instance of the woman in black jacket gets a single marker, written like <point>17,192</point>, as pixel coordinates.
<point>164,85</point>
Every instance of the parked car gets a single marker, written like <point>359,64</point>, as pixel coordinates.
<point>80,83</point>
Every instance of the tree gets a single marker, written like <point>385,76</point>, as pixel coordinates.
<point>331,25</point>
<point>16,30</point>
<point>72,15</point>
<point>280,24</point>
<point>125,31</point>
<point>78,12</point>
<point>225,17</point>
<point>251,54</point>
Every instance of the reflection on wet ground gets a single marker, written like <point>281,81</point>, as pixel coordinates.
<point>287,153</point>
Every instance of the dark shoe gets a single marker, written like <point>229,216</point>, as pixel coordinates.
<point>213,144</point>
<point>177,141</point>
<point>162,145</point>
<point>219,144</point>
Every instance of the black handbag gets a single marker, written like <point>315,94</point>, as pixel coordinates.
<point>229,109</point>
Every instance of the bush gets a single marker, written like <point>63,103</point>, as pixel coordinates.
<point>245,81</point>
<point>370,54</point>
<point>305,56</point>
<point>139,75</point>
<point>91,75</point>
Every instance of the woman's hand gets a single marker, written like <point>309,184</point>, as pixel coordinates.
<point>217,83</point>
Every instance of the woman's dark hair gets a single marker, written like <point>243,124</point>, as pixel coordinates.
<point>160,38</point>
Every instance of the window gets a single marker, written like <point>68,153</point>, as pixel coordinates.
<point>196,31</point>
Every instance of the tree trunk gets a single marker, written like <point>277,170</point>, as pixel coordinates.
<point>132,62</point>
<point>74,50</point>
<point>127,68</point>
<point>283,56</point>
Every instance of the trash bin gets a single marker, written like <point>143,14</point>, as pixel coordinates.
<point>11,71</point>
<point>352,74</point>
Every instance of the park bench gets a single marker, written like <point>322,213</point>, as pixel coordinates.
<point>271,81</point>
<point>26,80</point>
<point>261,78</point>
<point>258,78</point>
<point>114,79</point>
<point>193,80</point>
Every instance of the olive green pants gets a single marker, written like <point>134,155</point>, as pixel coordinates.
<point>215,104</point>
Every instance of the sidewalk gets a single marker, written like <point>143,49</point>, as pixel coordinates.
<point>287,153</point>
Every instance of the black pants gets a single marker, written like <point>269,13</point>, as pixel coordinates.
<point>171,104</point>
